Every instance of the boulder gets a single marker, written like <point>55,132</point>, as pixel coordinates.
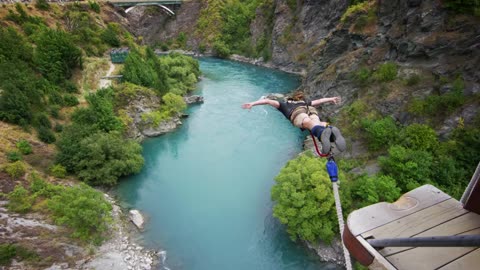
<point>193,99</point>
<point>137,218</point>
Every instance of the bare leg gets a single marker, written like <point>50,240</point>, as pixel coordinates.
<point>310,121</point>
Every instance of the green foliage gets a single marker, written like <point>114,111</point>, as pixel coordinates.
<point>58,171</point>
<point>413,79</point>
<point>369,190</point>
<point>83,209</point>
<point>138,71</point>
<point>463,6</point>
<point>110,36</point>
<point>381,133</point>
<point>221,50</point>
<point>182,40</point>
<point>46,135</point>
<point>15,169</point>
<point>24,147</point>
<point>440,105</point>
<point>41,120</point>
<point>56,55</point>
<point>21,16</point>
<point>182,73</point>
<point>292,4</point>
<point>357,7</point>
<point>304,202</point>
<point>410,168</point>
<point>7,253</point>
<point>174,103</point>
<point>103,157</point>
<point>13,156</point>
<point>94,6</point>
<point>42,4</point>
<point>362,76</point>
<point>19,200</point>
<point>99,114</point>
<point>386,72</point>
<point>11,251</point>
<point>419,137</point>
<point>70,100</point>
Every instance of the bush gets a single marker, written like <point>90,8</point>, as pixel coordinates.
<point>109,36</point>
<point>16,169</point>
<point>412,80</point>
<point>381,133</point>
<point>94,6</point>
<point>70,100</point>
<point>221,50</point>
<point>83,209</point>
<point>419,137</point>
<point>410,168</point>
<point>357,7</point>
<point>46,135</point>
<point>369,190</point>
<point>58,171</point>
<point>41,120</point>
<point>42,4</point>
<point>386,72</point>
<point>304,201</point>
<point>463,6</point>
<point>58,128</point>
<point>19,200</point>
<point>13,156</point>
<point>103,157</point>
<point>24,147</point>
<point>7,253</point>
<point>362,76</point>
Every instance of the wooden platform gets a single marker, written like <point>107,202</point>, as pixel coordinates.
<point>425,211</point>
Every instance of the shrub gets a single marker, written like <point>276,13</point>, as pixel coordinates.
<point>70,100</point>
<point>303,199</point>
<point>58,127</point>
<point>7,253</point>
<point>109,36</point>
<point>41,120</point>
<point>46,135</point>
<point>13,156</point>
<point>19,200</point>
<point>381,133</point>
<point>221,50</point>
<point>419,137</point>
<point>58,171</point>
<point>353,9</point>
<point>369,190</point>
<point>24,147</point>
<point>83,209</point>
<point>410,168</point>
<point>15,169</point>
<point>102,158</point>
<point>362,76</point>
<point>94,6</point>
<point>42,4</point>
<point>463,6</point>
<point>386,72</point>
<point>412,80</point>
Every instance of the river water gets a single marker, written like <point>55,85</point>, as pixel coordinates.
<point>205,188</point>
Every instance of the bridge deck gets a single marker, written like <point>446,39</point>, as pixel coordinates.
<point>422,212</point>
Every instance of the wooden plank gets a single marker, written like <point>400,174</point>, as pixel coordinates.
<point>419,221</point>
<point>379,262</point>
<point>467,262</point>
<point>429,257</point>
<point>379,214</point>
<point>461,224</point>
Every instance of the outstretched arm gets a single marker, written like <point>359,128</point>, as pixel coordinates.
<point>334,100</point>
<point>266,101</point>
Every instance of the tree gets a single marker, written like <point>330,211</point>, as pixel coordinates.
<point>103,157</point>
<point>136,70</point>
<point>369,190</point>
<point>56,55</point>
<point>304,201</point>
<point>419,137</point>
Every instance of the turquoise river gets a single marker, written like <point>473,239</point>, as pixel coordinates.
<point>205,187</point>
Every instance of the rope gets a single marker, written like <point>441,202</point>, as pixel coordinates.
<point>338,206</point>
<point>332,170</point>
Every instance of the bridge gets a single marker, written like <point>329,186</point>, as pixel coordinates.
<point>131,4</point>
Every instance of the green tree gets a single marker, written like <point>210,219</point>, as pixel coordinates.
<point>103,157</point>
<point>419,137</point>
<point>410,168</point>
<point>304,201</point>
<point>369,190</point>
<point>137,70</point>
<point>56,55</point>
<point>381,133</point>
<point>83,209</point>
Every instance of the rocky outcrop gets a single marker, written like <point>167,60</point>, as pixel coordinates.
<point>193,99</point>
